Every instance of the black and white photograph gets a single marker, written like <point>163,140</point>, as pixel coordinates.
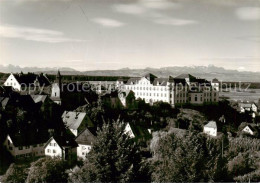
<point>129,91</point>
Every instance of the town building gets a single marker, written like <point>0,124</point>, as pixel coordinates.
<point>129,130</point>
<point>56,89</point>
<point>248,130</point>
<point>63,147</point>
<point>248,106</point>
<point>76,121</point>
<point>210,129</point>
<point>215,84</point>
<point>85,142</point>
<point>29,81</point>
<point>23,145</point>
<point>182,89</point>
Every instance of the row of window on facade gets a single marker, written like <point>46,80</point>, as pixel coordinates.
<point>12,84</point>
<point>28,154</point>
<point>28,147</point>
<point>53,151</point>
<point>150,94</point>
<point>146,88</point>
<point>205,100</point>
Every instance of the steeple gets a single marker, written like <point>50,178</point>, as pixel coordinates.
<point>56,89</point>
<point>58,78</point>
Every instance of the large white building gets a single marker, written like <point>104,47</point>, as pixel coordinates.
<point>182,89</point>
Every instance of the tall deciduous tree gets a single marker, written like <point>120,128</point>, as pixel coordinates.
<point>48,170</point>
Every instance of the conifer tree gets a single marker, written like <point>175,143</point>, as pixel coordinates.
<point>114,157</point>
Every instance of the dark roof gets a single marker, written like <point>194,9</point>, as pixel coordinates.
<point>139,131</point>
<point>6,90</point>
<point>4,101</point>
<point>39,98</point>
<point>179,81</point>
<point>203,81</point>
<point>85,137</point>
<point>123,79</point>
<point>63,141</point>
<point>133,80</point>
<point>215,80</point>
<point>184,76</point>
<point>76,87</point>
<point>31,78</point>
<point>28,138</point>
<point>24,101</point>
<point>160,81</point>
<point>150,77</point>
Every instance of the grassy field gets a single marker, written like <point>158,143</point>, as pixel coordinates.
<point>249,95</point>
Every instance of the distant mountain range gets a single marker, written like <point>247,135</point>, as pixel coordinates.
<point>208,72</point>
<point>12,68</point>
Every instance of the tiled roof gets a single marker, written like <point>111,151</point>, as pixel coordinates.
<point>211,124</point>
<point>133,80</point>
<point>179,81</point>
<point>39,98</point>
<point>73,119</point>
<point>28,138</point>
<point>85,137</point>
<point>150,77</point>
<point>63,141</point>
<point>160,81</point>
<point>30,78</point>
<point>184,76</point>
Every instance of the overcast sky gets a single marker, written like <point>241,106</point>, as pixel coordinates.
<point>113,34</point>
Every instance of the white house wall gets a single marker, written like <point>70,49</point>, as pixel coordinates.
<point>82,150</point>
<point>210,131</point>
<point>53,149</point>
<point>11,81</point>
<point>24,151</point>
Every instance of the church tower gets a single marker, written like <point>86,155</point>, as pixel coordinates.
<point>58,79</point>
<point>56,89</point>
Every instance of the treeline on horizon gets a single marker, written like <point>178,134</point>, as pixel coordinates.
<point>73,78</point>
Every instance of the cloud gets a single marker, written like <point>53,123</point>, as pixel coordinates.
<point>248,13</point>
<point>158,4</point>
<point>34,34</point>
<point>150,9</point>
<point>108,22</point>
<point>129,8</point>
<point>174,21</point>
